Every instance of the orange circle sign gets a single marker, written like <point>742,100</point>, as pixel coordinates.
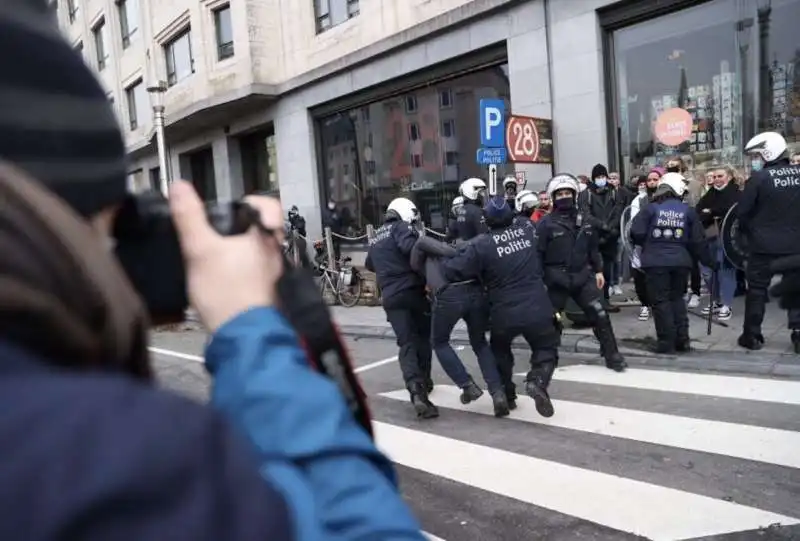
<point>673,126</point>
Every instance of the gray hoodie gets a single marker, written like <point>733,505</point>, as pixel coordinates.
<point>425,259</point>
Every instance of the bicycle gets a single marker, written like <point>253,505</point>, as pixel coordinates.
<point>344,282</point>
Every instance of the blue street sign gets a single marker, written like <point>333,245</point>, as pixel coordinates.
<point>489,156</point>
<point>493,123</point>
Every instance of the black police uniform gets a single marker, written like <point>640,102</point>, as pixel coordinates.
<point>506,262</point>
<point>406,306</point>
<point>469,222</point>
<point>672,239</point>
<point>523,220</point>
<point>769,217</point>
<point>568,248</point>
<point>453,302</point>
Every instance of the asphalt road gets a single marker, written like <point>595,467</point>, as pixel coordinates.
<point>649,454</point>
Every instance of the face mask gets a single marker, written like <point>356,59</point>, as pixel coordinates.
<point>565,203</point>
<point>642,189</point>
<point>652,190</point>
<point>674,169</point>
<point>756,165</point>
<point>600,182</point>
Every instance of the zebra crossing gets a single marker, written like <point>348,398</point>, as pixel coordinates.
<point>652,454</point>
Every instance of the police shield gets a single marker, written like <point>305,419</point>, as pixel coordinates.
<point>734,243</point>
<point>625,222</point>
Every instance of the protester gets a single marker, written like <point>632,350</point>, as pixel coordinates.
<point>92,450</point>
<point>544,207</point>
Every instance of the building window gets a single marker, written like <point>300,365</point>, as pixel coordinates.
<point>224,29</point>
<point>99,33</point>
<point>700,82</point>
<point>409,149</point>
<point>155,178</point>
<point>128,20</point>
<point>329,13</point>
<point>446,98</point>
<point>72,10</point>
<point>179,58</point>
<point>138,103</point>
<point>449,128</point>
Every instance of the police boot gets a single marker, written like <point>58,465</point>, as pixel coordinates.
<point>608,345</point>
<point>681,318</point>
<point>536,387</point>
<point>751,341</point>
<point>419,399</point>
<point>429,385</point>
<point>665,328</point>
<point>511,395</point>
<point>501,404</point>
<point>470,392</point>
<point>796,341</point>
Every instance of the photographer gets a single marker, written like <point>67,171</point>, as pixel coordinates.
<point>92,450</point>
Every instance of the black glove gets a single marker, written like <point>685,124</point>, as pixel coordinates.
<point>788,289</point>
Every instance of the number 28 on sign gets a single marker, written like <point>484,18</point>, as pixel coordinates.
<point>522,139</point>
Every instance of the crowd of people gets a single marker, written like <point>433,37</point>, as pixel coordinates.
<point>511,261</point>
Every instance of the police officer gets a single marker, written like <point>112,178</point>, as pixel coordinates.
<point>469,218</point>
<point>510,190</point>
<point>452,222</point>
<point>525,203</point>
<point>573,268</point>
<point>404,299</point>
<point>768,217</point>
<point>452,302</point>
<point>507,264</point>
<point>672,238</point>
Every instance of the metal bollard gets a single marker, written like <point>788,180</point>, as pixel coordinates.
<point>329,248</point>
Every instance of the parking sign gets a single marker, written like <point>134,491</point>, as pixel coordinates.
<point>492,121</point>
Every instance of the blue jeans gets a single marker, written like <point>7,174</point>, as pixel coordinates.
<point>467,302</point>
<point>725,287</point>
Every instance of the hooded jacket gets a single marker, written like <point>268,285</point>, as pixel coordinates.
<point>426,259</point>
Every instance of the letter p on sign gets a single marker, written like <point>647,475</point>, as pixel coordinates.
<point>492,122</point>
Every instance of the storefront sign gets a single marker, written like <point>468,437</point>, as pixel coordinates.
<point>673,126</point>
<point>529,140</point>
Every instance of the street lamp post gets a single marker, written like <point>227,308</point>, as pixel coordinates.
<point>157,99</point>
<point>764,12</point>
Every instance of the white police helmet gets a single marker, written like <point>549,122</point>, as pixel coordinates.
<point>674,182</point>
<point>458,202</point>
<point>404,208</point>
<point>769,145</point>
<point>563,181</point>
<point>509,181</point>
<point>526,199</point>
<point>471,188</point>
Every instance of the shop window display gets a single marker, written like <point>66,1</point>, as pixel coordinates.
<point>700,82</point>
<point>419,145</point>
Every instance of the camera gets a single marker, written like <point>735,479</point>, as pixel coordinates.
<point>147,246</point>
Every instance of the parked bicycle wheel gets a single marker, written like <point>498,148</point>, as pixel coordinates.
<point>348,286</point>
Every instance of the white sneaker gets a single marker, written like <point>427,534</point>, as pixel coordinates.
<point>694,301</point>
<point>716,306</point>
<point>616,290</point>
<point>644,313</point>
<point>724,313</point>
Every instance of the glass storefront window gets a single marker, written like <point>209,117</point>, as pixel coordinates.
<point>419,145</point>
<point>700,82</point>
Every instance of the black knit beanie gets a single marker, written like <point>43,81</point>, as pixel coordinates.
<point>599,170</point>
<point>56,122</point>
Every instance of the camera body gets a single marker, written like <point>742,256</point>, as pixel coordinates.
<point>147,246</point>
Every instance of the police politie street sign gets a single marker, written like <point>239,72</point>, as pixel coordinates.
<point>491,117</point>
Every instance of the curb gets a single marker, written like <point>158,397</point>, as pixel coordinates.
<point>585,349</point>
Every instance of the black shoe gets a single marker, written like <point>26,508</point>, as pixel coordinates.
<point>664,348</point>
<point>683,345</point>
<point>501,406</point>
<point>422,405</point>
<point>511,397</point>
<point>616,362</point>
<point>796,341</point>
<point>539,394</point>
<point>429,385</point>
<point>753,342</point>
<point>470,392</point>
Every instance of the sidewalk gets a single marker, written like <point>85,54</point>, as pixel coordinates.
<point>718,351</point>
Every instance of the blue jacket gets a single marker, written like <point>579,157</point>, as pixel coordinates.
<point>507,263</point>
<point>389,258</point>
<point>670,234</point>
<point>73,443</point>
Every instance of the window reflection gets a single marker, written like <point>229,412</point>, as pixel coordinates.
<point>419,145</point>
<point>733,66</point>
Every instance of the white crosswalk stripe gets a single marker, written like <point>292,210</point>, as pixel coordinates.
<point>615,501</point>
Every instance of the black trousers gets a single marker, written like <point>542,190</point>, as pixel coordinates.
<point>640,286</point>
<point>759,276</point>
<point>695,279</point>
<point>588,297</point>
<point>609,256</point>
<point>409,314</point>
<point>543,339</point>
<point>665,289</point>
